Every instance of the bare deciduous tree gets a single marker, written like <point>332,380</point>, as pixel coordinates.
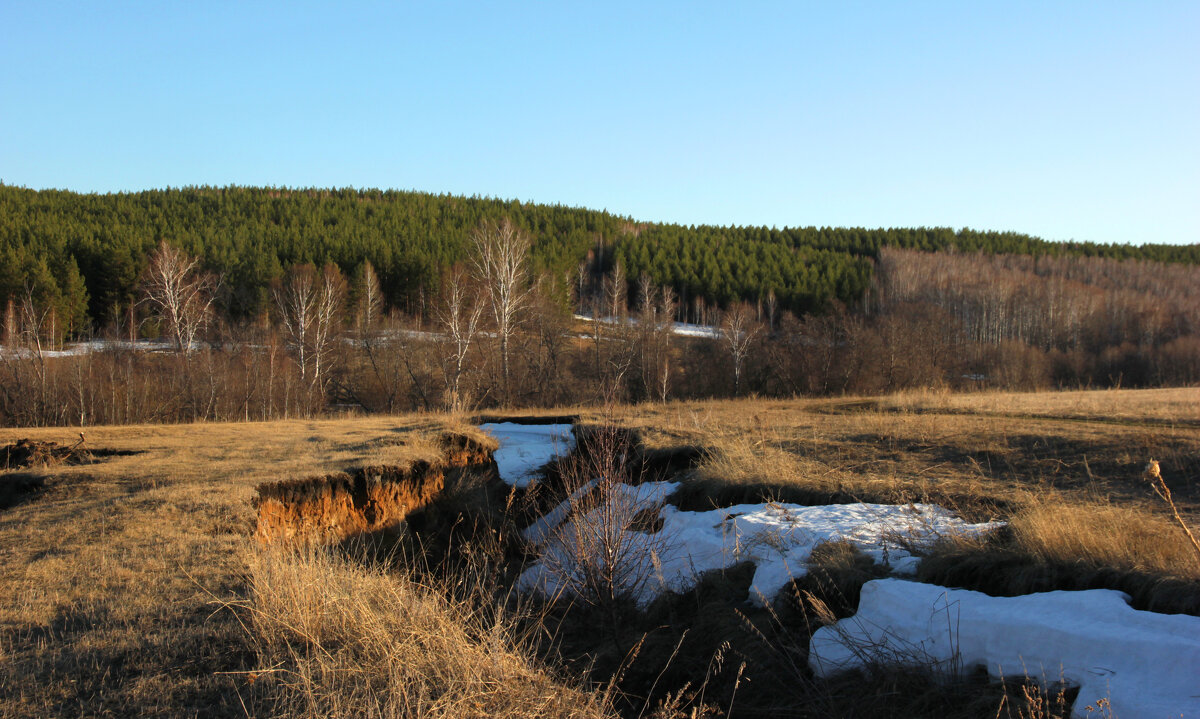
<point>666,312</point>
<point>458,316</point>
<point>179,293</point>
<point>501,264</point>
<point>738,330</point>
<point>370,299</point>
<point>615,291</point>
<point>772,310</point>
<point>310,305</point>
<point>331,297</point>
<point>10,323</point>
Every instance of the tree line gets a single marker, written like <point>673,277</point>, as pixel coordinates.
<point>497,333</point>
<point>84,255</point>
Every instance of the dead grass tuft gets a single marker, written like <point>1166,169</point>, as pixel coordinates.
<point>1071,546</point>
<point>339,639</point>
<point>1105,535</point>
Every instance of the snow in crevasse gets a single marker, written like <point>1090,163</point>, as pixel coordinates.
<point>526,448</point>
<point>1145,664</point>
<point>778,538</point>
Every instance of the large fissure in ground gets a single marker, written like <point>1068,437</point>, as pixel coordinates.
<point>364,500</point>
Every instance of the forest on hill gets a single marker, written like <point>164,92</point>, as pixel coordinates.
<point>205,304</point>
<point>85,253</point>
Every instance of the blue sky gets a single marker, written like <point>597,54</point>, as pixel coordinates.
<point>1064,120</point>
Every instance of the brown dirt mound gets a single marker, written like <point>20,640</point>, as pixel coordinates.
<point>26,453</point>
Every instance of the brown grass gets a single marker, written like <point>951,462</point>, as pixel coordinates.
<point>338,639</point>
<point>114,574</point>
<point>109,574</point>
<point>1170,406</point>
<point>1105,535</point>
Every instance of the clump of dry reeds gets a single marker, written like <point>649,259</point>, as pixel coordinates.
<point>339,639</point>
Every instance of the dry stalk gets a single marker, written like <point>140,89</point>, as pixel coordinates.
<point>1159,485</point>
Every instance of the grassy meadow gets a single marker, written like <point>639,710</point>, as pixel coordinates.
<point>132,585</point>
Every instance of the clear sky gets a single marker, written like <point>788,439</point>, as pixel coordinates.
<point>1064,120</point>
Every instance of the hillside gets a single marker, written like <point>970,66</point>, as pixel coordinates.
<point>87,251</point>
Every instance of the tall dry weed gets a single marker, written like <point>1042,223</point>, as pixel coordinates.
<point>1106,535</point>
<point>339,639</point>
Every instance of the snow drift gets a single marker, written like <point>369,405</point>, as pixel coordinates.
<point>777,538</point>
<point>525,448</point>
<point>1145,664</point>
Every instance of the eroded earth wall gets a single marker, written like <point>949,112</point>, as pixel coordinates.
<point>375,498</point>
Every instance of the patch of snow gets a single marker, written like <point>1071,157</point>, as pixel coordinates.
<point>778,538</point>
<point>1145,664</point>
<point>539,531</point>
<point>76,349</point>
<point>560,569</point>
<point>526,448</point>
<point>684,329</point>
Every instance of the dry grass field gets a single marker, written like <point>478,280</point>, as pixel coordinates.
<point>132,586</point>
<point>110,574</point>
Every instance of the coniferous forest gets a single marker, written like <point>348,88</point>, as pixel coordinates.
<point>304,301</point>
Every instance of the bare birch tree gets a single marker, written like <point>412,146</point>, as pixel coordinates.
<point>656,310</point>
<point>458,316</point>
<point>10,323</point>
<point>310,305</point>
<point>501,264</point>
<point>179,294</point>
<point>331,298</point>
<point>370,300</point>
<point>667,305</point>
<point>738,330</point>
<point>615,291</point>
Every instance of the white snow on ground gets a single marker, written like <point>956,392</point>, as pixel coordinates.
<point>76,349</point>
<point>689,330</point>
<point>634,497</point>
<point>526,448</point>
<point>540,530</point>
<point>778,538</point>
<point>1145,664</point>
<point>682,329</point>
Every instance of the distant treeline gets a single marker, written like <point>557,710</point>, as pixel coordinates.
<point>84,253</point>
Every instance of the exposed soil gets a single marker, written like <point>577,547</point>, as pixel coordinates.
<point>338,506</point>
<point>461,450</point>
<point>361,501</point>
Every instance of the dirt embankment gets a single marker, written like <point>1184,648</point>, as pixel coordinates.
<point>364,500</point>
